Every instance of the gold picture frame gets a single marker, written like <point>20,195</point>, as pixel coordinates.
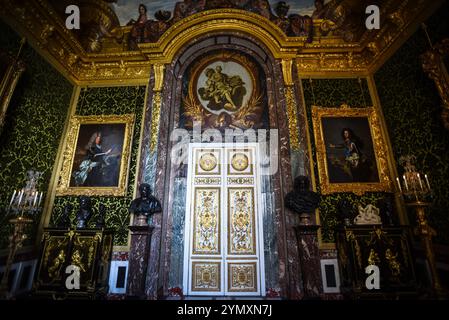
<point>11,68</point>
<point>97,155</point>
<point>343,164</point>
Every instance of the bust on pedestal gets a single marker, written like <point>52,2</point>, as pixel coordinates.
<point>145,206</point>
<point>303,201</point>
<point>142,208</point>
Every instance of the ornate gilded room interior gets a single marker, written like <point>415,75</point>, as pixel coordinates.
<point>224,149</point>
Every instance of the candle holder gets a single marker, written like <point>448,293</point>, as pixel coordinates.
<point>417,193</point>
<point>24,205</point>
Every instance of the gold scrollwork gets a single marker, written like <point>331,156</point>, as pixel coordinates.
<point>242,277</point>
<point>77,259</point>
<point>207,180</point>
<point>63,187</point>
<point>55,269</point>
<point>384,183</point>
<point>394,265</point>
<point>373,258</point>
<point>206,276</point>
<point>155,119</point>
<point>241,180</point>
<point>292,118</point>
<point>156,104</point>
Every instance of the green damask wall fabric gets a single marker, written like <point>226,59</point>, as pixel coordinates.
<point>34,125</point>
<point>108,101</point>
<point>411,107</point>
<point>334,93</point>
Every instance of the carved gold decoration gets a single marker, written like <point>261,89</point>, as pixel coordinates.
<point>433,65</point>
<point>373,258</point>
<point>206,276</point>
<point>77,260</point>
<point>292,118</point>
<point>211,162</point>
<point>207,180</point>
<point>155,119</point>
<point>208,161</point>
<point>245,180</point>
<point>52,244</point>
<point>55,269</point>
<point>158,77</point>
<point>239,161</point>
<point>63,187</point>
<point>393,264</point>
<point>379,235</point>
<point>384,184</point>
<point>241,227</point>
<point>287,71</point>
<point>157,104</point>
<point>206,221</point>
<point>242,277</point>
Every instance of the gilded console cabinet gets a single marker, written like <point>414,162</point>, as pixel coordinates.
<point>88,249</point>
<point>385,247</point>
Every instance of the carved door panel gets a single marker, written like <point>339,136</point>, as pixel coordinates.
<point>223,234</point>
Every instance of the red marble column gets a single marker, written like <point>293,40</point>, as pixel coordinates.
<point>309,255</point>
<point>138,260</point>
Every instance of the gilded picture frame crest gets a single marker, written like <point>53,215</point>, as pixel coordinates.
<point>352,168</point>
<point>97,155</point>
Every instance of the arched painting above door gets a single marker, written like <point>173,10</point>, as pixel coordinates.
<point>224,90</point>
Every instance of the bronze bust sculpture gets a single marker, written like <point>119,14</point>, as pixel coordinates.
<point>146,205</point>
<point>301,200</point>
<point>84,213</point>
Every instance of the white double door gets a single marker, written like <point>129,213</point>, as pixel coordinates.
<point>223,252</point>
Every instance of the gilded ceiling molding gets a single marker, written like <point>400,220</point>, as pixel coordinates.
<point>221,20</point>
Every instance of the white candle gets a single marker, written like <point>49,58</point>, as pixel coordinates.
<point>405,182</point>
<point>20,197</point>
<point>40,200</point>
<point>12,198</point>
<point>420,182</point>
<point>427,181</point>
<point>35,198</point>
<point>399,184</point>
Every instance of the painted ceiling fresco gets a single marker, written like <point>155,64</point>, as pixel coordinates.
<point>128,9</point>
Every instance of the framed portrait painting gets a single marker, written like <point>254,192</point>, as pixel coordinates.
<point>96,156</point>
<point>350,150</point>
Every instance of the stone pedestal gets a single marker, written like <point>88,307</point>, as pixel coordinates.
<point>309,254</point>
<point>138,259</point>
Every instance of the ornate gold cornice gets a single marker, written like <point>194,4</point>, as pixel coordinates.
<point>329,54</point>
